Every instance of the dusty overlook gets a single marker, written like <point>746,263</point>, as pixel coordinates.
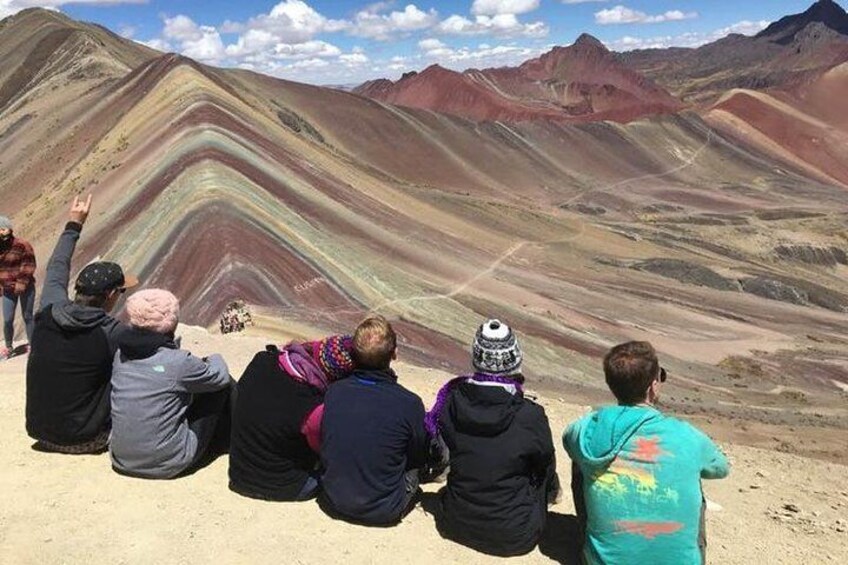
<point>690,217</point>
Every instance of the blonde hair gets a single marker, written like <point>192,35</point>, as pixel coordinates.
<point>374,344</point>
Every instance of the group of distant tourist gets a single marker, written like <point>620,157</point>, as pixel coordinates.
<point>327,419</point>
<point>235,318</point>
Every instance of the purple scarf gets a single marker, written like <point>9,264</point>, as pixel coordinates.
<point>431,419</point>
<point>297,362</point>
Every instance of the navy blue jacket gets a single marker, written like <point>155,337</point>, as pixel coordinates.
<point>371,434</point>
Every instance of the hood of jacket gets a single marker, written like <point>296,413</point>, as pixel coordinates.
<point>606,431</point>
<point>136,343</point>
<point>73,317</point>
<point>484,409</point>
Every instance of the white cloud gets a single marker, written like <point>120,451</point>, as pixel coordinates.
<point>127,31</point>
<point>745,27</point>
<point>354,59</point>
<point>195,41</point>
<point>290,21</point>
<point>624,15</point>
<point>691,39</point>
<point>10,7</point>
<point>158,44</point>
<point>484,55</point>
<point>504,25</point>
<point>498,7</point>
<point>372,23</point>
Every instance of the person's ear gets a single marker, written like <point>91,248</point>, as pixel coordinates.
<point>654,391</point>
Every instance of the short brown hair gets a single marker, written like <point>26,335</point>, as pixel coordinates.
<point>374,344</point>
<point>630,368</point>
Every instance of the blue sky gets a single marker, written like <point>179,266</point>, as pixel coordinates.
<point>348,41</point>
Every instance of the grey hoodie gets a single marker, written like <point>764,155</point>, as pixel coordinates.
<point>153,385</point>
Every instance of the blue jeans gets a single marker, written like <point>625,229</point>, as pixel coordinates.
<point>10,302</point>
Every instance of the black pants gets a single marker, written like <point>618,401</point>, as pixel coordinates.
<point>210,417</point>
<point>412,479</point>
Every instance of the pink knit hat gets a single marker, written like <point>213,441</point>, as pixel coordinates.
<point>154,309</point>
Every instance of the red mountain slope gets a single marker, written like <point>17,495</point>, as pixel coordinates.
<point>583,82</point>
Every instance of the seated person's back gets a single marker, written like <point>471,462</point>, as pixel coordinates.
<point>276,425</point>
<point>167,404</point>
<point>73,345</point>
<point>639,471</point>
<point>372,438</point>
<point>501,455</point>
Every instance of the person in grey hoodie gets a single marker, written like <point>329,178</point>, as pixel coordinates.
<point>170,409</point>
<point>72,346</point>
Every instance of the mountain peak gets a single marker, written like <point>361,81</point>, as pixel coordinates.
<point>826,12</point>
<point>588,40</point>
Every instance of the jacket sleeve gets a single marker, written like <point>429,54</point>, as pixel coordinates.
<point>419,441</point>
<point>569,439</point>
<point>543,457</point>
<point>58,274</point>
<point>714,464</point>
<point>199,376</point>
<point>311,428</point>
<point>27,269</point>
<point>113,330</point>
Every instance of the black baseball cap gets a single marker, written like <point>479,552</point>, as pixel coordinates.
<point>101,277</point>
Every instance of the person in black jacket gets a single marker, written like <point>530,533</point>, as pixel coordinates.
<point>73,344</point>
<point>373,442</point>
<point>498,444</point>
<point>276,432</point>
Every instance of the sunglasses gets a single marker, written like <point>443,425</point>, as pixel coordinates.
<point>663,374</point>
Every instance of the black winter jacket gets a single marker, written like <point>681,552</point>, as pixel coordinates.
<point>502,467</point>
<point>269,456</point>
<point>70,362</point>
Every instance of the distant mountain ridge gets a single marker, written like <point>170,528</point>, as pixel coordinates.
<point>826,12</point>
<point>581,82</point>
<point>587,82</point>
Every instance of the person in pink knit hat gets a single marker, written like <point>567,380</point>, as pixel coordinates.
<point>171,411</point>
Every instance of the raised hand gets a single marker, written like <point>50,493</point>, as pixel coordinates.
<point>79,209</point>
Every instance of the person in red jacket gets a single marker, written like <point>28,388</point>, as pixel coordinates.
<point>17,281</point>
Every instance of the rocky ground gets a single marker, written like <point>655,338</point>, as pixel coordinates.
<point>775,507</point>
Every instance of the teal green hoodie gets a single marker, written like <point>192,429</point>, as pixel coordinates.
<point>642,475</point>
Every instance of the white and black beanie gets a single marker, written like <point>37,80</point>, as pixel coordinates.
<point>495,350</point>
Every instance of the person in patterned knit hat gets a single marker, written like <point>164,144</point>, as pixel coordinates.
<point>499,448</point>
<point>277,423</point>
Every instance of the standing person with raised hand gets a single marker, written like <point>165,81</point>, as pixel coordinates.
<point>637,472</point>
<point>17,283</point>
<point>499,448</point>
<point>73,345</point>
<point>373,443</point>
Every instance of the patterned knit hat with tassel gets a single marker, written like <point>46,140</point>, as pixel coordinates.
<point>495,350</point>
<point>333,354</point>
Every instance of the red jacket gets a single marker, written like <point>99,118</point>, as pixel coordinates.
<point>17,265</point>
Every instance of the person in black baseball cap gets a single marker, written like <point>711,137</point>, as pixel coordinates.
<point>74,342</point>
<point>103,277</point>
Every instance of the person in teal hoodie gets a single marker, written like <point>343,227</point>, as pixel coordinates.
<point>637,472</point>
